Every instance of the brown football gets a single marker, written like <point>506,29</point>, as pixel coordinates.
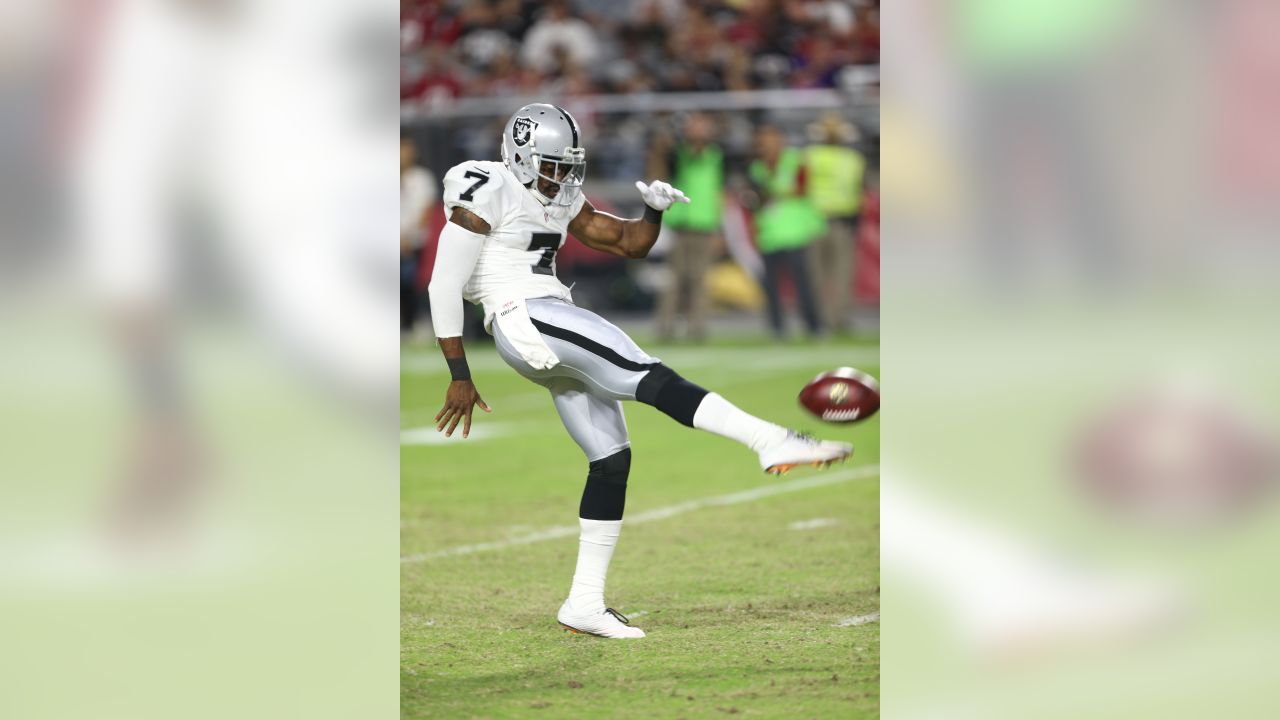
<point>844,395</point>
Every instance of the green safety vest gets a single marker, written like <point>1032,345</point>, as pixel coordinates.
<point>834,179</point>
<point>701,177</point>
<point>788,220</point>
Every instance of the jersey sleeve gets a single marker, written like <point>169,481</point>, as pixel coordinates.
<point>475,188</point>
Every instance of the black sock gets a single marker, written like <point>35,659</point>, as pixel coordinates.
<point>605,495</point>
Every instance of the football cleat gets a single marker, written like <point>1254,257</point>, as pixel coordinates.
<point>799,449</point>
<point>608,623</point>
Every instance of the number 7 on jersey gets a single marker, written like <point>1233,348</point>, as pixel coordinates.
<point>548,243</point>
<point>470,193</point>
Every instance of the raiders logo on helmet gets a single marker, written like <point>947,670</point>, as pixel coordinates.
<point>522,130</point>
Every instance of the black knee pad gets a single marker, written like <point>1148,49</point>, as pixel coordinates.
<point>605,495</point>
<point>662,388</point>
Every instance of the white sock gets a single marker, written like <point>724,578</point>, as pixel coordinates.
<point>717,415</point>
<point>595,549</point>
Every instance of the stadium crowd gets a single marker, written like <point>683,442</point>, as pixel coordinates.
<point>466,48</point>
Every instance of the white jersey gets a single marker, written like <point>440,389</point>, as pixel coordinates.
<point>518,258</point>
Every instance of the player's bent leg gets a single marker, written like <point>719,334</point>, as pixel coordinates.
<point>779,449</point>
<point>608,361</point>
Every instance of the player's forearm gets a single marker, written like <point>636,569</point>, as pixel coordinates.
<point>617,236</point>
<point>456,358</point>
<point>632,238</point>
<point>451,348</point>
<point>639,234</point>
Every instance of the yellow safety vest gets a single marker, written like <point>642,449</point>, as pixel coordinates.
<point>835,179</point>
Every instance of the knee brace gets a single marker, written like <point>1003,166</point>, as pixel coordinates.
<point>662,388</point>
<point>606,492</point>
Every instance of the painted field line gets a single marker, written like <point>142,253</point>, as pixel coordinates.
<point>479,431</point>
<point>813,524</point>
<point>859,620</point>
<point>662,513</point>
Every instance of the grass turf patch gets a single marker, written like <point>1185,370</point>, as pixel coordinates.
<point>741,611</point>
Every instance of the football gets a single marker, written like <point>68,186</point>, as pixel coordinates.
<point>843,395</point>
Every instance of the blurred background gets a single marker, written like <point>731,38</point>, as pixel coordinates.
<point>765,112</point>
<point>199,512</point>
<point>1078,500</point>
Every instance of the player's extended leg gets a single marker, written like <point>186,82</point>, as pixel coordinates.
<point>597,424</point>
<point>603,357</point>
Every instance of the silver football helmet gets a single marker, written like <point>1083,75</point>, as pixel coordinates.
<point>542,147</point>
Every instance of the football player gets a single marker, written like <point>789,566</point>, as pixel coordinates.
<point>506,221</point>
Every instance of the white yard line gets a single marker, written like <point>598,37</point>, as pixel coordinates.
<point>813,524</point>
<point>859,620</point>
<point>430,436</point>
<point>563,531</point>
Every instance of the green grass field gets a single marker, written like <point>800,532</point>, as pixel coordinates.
<point>743,612</point>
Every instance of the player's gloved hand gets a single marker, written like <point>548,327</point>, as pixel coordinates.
<point>659,195</point>
<point>459,401</point>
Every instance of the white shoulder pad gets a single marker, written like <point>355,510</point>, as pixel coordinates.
<point>475,186</point>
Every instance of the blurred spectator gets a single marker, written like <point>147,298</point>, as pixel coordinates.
<point>418,194</point>
<point>424,21</point>
<point>505,16</point>
<point>820,63</point>
<point>866,33</point>
<point>481,45</point>
<point>1045,176</point>
<point>834,173</point>
<point>838,17</point>
<point>786,224</point>
<point>558,28</point>
<point>696,166</point>
<point>430,76</point>
<point>658,12</point>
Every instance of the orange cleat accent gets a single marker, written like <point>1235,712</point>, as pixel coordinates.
<point>784,468</point>
<point>800,450</point>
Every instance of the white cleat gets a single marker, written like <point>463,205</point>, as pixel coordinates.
<point>607,623</point>
<point>801,449</point>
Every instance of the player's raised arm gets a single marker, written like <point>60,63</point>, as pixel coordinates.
<point>456,255</point>
<point>629,238</point>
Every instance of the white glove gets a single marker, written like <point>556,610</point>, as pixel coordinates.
<point>659,195</point>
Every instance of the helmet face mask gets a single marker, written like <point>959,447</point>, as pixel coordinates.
<point>560,179</point>
<point>540,145</point>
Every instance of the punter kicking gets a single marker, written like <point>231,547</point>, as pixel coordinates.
<point>507,220</point>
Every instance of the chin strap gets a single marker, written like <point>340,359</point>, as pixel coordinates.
<point>546,201</point>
